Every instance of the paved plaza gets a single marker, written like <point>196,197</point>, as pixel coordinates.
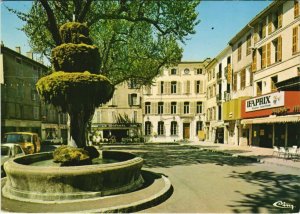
<point>211,182</point>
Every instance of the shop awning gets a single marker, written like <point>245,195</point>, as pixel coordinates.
<point>277,119</point>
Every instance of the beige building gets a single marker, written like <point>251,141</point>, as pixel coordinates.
<point>173,108</point>
<point>276,58</point>
<point>121,117</point>
<point>218,91</point>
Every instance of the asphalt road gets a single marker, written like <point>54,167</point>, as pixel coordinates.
<point>206,182</point>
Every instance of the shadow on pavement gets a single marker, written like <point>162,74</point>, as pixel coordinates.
<point>273,188</point>
<point>169,156</point>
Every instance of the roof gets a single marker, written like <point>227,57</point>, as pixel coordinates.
<point>23,56</point>
<point>256,19</point>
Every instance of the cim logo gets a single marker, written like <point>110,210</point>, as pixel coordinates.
<point>284,205</point>
<point>263,102</point>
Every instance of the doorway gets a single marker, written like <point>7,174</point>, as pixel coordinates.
<point>186,130</point>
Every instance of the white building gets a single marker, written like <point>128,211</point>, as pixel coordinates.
<point>173,108</point>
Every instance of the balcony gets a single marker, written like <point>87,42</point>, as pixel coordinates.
<point>227,96</point>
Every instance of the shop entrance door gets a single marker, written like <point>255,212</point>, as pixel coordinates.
<point>186,131</point>
<point>280,135</point>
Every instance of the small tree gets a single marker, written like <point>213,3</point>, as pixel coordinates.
<point>75,86</point>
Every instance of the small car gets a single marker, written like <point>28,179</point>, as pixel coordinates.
<point>8,151</point>
<point>30,142</point>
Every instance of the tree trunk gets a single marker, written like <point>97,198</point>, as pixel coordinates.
<point>79,118</point>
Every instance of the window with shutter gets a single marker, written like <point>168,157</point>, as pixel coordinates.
<point>279,48</point>
<point>280,17</point>
<point>239,51</point>
<point>268,54</point>
<point>295,40</point>
<point>296,8</point>
<point>243,78</point>
<point>148,127</point>
<point>264,29</point>
<point>270,24</point>
<point>234,86</point>
<point>248,45</point>
<point>254,61</point>
<point>263,57</point>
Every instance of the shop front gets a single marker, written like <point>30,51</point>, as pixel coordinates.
<point>116,132</point>
<point>273,119</point>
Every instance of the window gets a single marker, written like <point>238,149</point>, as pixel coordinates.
<point>248,44</point>
<point>269,54</point>
<point>264,29</point>
<point>270,24</point>
<point>260,30</point>
<point>296,8</point>
<point>219,112</point>
<point>198,126</point>
<point>160,108</point>
<point>148,128</point>
<point>18,150</point>
<point>273,81</point>
<point>36,113</point>
<point>256,34</point>
<point>173,107</point>
<point>18,60</point>
<point>161,87</point>
<point>263,56</point>
<point>243,78</point>
<point>234,86</point>
<point>258,88</point>
<point>160,128</point>
<point>134,116</point>
<point>199,107</point>
<point>173,87</point>
<point>33,95</point>
<point>239,51</point>
<point>197,87</point>
<point>133,100</point>
<point>279,14</point>
<point>254,61</point>
<point>199,70</point>
<point>147,108</point>
<point>276,43</point>
<point>186,108</point>
<point>132,84</point>
<point>173,128</point>
<point>220,71</point>
<point>295,40</point>
<point>173,71</point>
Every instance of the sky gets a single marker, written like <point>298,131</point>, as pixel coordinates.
<point>220,21</point>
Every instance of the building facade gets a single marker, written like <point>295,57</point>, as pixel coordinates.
<point>276,58</point>
<point>173,108</point>
<point>21,107</point>
<point>121,117</point>
<point>218,91</point>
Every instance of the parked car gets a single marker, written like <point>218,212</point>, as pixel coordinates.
<point>53,141</point>
<point>8,151</point>
<point>30,142</point>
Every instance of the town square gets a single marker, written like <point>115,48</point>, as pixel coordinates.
<point>150,106</point>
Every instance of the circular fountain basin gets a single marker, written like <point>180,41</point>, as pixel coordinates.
<point>27,181</point>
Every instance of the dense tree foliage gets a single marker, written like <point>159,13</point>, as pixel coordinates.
<point>136,38</point>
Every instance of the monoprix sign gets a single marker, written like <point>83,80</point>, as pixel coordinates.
<point>266,101</point>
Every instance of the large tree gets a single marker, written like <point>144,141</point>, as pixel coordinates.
<point>136,38</point>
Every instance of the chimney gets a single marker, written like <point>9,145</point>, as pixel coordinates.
<point>29,54</point>
<point>18,49</point>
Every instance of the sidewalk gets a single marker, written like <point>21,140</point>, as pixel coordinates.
<point>260,154</point>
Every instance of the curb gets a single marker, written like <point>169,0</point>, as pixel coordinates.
<point>152,201</point>
<point>255,159</point>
